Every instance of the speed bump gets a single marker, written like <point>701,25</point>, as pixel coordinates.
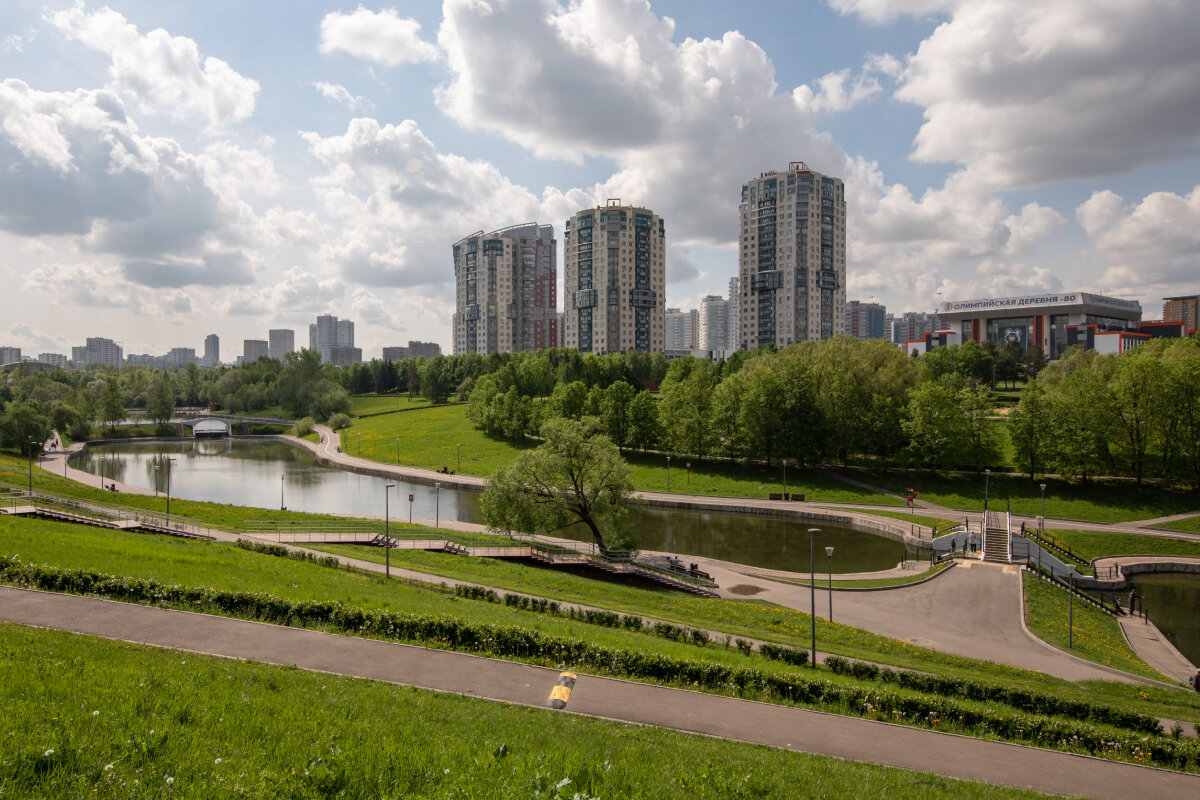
<point>561,692</point>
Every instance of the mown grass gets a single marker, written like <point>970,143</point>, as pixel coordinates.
<point>1095,544</point>
<point>429,437</point>
<point>769,622</point>
<point>1191,524</point>
<point>916,519</point>
<point>1111,500</point>
<point>1097,636</point>
<point>221,728</point>
<point>870,583</point>
<point>380,403</point>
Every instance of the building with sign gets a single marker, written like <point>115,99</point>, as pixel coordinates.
<point>1052,321</point>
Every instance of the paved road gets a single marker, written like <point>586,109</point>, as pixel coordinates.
<point>693,712</point>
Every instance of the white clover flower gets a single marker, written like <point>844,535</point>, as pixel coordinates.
<point>170,781</point>
<point>48,753</point>
<point>95,713</point>
<point>108,767</point>
<point>218,761</point>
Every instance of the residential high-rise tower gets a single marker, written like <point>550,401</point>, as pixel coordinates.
<point>505,289</point>
<point>280,342</point>
<point>792,261</point>
<point>614,280</point>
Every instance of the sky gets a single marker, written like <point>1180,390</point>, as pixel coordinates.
<point>170,170</point>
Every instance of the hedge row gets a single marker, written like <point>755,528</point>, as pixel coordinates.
<point>505,640</point>
<point>1017,698</point>
<point>283,552</point>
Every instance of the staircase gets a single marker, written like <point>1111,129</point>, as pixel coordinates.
<point>996,546</point>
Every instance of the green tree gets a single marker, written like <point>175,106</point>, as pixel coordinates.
<point>1081,412</point>
<point>1029,428</point>
<point>686,410</point>
<point>1182,361</point>
<point>976,406</point>
<point>614,412</point>
<point>644,428</point>
<point>934,424</point>
<point>23,422</point>
<point>160,403</point>
<point>1137,392</point>
<point>567,400</point>
<point>112,404</point>
<point>576,476</point>
<point>437,380</point>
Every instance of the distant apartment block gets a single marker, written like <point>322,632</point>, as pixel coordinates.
<point>413,350</point>
<point>212,351</point>
<point>179,357</point>
<point>505,290</point>
<point>792,260</point>
<point>1182,309</point>
<point>713,330</point>
<point>10,355</point>
<point>281,341</point>
<point>865,320</point>
<point>909,326</point>
<point>733,327</point>
<point>678,330</point>
<point>614,280</point>
<point>329,332</point>
<point>53,359</point>
<point>98,350</point>
<point>254,349</point>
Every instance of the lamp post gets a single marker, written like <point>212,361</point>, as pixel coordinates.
<point>387,531</point>
<point>829,557</point>
<point>282,478</point>
<point>156,480</point>
<point>397,451</point>
<point>668,473</point>
<point>358,447</point>
<point>987,473</point>
<point>170,461</point>
<point>1071,610</point>
<point>437,505</point>
<point>31,444</point>
<point>1043,525</point>
<point>812,588</point>
<point>785,479</point>
<point>459,448</point>
<point>410,502</point>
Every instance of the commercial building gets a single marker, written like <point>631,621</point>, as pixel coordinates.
<point>212,351</point>
<point>614,280</point>
<point>254,349</point>
<point>1183,309</point>
<point>865,320</point>
<point>792,259</point>
<point>506,290</point>
<point>1052,322</point>
<point>98,350</point>
<point>10,355</point>
<point>329,332</point>
<point>280,342</point>
<point>414,350</point>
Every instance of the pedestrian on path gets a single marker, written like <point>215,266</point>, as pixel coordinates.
<point>1195,681</point>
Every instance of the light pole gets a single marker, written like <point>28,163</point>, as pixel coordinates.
<point>387,531</point>
<point>785,479</point>
<point>668,473</point>
<point>156,480</point>
<point>31,444</point>
<point>459,447</point>
<point>437,505</point>
<point>281,480</point>
<point>829,556</point>
<point>1043,525</point>
<point>410,501</point>
<point>397,450</point>
<point>812,588</point>
<point>358,448</point>
<point>1071,611</point>
<point>170,461</point>
<point>987,473</point>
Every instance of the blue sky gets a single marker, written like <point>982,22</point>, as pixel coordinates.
<point>169,170</point>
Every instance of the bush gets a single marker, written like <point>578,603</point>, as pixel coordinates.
<point>788,655</point>
<point>339,421</point>
<point>304,426</point>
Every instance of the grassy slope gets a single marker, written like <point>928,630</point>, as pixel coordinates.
<point>1094,544</point>
<point>1190,524</point>
<point>378,403</point>
<point>1097,636</point>
<point>220,728</point>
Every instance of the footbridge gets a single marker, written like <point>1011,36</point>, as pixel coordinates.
<point>541,549</point>
<point>21,503</point>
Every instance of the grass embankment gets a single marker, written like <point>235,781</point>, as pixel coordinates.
<point>1191,524</point>
<point>1097,636</point>
<point>870,583</point>
<point>220,728</point>
<point>1094,501</point>
<point>362,404</point>
<point>430,437</point>
<point>1096,544</point>
<point>916,519</point>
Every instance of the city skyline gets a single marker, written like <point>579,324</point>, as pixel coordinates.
<point>166,175</point>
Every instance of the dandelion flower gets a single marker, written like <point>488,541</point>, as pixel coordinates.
<point>218,761</point>
<point>95,713</point>
<point>170,781</point>
<point>108,767</point>
<point>48,753</point>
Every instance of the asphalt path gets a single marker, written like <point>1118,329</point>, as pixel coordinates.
<point>692,712</point>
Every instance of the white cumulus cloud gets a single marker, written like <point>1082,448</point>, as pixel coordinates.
<point>383,37</point>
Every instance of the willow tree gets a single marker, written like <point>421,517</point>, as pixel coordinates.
<point>577,475</point>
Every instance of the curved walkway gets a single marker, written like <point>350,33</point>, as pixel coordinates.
<point>691,712</point>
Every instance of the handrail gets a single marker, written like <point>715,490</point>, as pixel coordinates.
<point>103,512</point>
<point>1031,565</point>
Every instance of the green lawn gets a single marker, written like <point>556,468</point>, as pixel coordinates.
<point>871,583</point>
<point>1191,524</point>
<point>379,403</point>
<point>1097,636</point>
<point>1094,501</point>
<point>220,728</point>
<point>917,519</point>
<point>1094,544</point>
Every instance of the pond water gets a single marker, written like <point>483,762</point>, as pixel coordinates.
<point>271,474</point>
<point>1173,603</point>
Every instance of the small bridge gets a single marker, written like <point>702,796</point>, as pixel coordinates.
<point>555,552</point>
<point>19,503</point>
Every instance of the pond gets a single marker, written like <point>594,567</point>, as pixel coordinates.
<point>1173,604</point>
<point>273,474</point>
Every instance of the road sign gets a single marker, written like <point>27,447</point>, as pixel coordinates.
<point>410,498</point>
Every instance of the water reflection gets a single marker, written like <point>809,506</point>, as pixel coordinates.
<point>1173,602</point>
<point>257,473</point>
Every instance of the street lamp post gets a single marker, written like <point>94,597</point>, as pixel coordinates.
<point>410,502</point>
<point>397,451</point>
<point>1043,521</point>
<point>829,557</point>
<point>358,447</point>
<point>31,444</point>
<point>156,480</point>
<point>459,447</point>
<point>282,478</point>
<point>812,588</point>
<point>785,479</point>
<point>1071,611</point>
<point>668,473</point>
<point>987,473</point>
<point>387,531</point>
<point>437,505</point>
<point>170,461</point>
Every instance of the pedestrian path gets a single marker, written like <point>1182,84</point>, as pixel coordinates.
<point>644,704</point>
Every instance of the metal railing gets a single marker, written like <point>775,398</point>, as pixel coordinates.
<point>93,512</point>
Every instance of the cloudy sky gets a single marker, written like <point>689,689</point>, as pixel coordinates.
<point>169,170</point>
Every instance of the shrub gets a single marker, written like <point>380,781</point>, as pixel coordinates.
<point>339,421</point>
<point>304,426</point>
<point>788,655</point>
